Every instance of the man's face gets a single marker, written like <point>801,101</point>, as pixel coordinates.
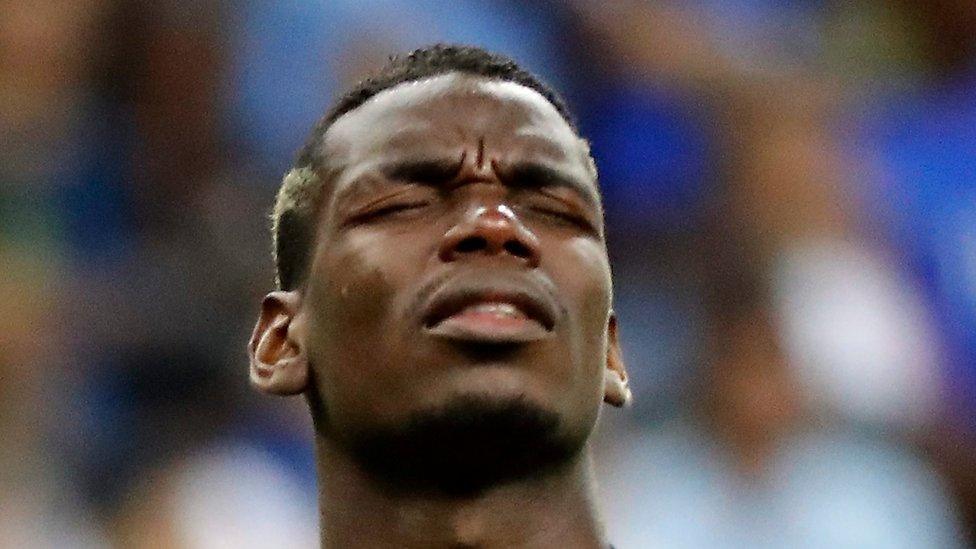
<point>460,255</point>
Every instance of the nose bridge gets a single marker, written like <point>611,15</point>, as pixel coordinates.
<point>487,226</point>
<point>485,210</point>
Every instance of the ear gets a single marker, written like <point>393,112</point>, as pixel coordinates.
<point>279,365</point>
<point>615,389</point>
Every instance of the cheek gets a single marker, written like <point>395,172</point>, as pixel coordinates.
<point>586,288</point>
<point>590,282</point>
<point>347,288</point>
<point>351,294</point>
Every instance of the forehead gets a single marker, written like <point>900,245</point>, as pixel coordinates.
<point>445,112</point>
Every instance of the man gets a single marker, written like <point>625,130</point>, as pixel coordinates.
<point>444,304</point>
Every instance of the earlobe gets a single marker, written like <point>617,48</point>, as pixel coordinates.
<point>616,391</point>
<point>278,364</point>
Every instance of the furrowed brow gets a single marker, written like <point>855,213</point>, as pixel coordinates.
<point>424,171</point>
<point>433,172</point>
<point>533,175</point>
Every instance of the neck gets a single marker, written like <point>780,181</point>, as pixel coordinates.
<point>554,511</point>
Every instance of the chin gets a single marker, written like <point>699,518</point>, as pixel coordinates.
<point>477,439</point>
<point>496,382</point>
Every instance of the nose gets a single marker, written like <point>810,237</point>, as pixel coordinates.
<point>490,231</point>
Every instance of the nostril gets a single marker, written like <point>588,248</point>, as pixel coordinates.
<point>518,249</point>
<point>471,244</point>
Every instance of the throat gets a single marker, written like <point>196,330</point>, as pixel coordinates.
<point>552,511</point>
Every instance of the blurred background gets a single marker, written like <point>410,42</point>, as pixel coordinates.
<point>791,200</point>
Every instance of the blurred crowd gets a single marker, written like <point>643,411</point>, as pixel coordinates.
<point>790,190</point>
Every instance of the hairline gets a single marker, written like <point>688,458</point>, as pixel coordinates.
<point>464,78</point>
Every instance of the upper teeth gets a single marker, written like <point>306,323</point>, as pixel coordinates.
<point>501,309</point>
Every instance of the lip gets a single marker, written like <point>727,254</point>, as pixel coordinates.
<point>449,314</point>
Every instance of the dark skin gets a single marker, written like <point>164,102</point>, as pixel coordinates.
<point>448,190</point>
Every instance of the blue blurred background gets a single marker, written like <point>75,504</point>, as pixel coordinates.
<point>791,201</point>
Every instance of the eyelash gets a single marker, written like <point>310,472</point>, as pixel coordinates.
<point>563,217</point>
<point>387,210</point>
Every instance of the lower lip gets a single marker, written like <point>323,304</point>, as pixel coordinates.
<point>489,328</point>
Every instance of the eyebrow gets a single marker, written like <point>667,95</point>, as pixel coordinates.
<point>523,175</point>
<point>424,171</point>
<point>534,175</point>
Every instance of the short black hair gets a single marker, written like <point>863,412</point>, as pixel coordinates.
<point>300,195</point>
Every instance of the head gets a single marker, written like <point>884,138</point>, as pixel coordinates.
<point>444,289</point>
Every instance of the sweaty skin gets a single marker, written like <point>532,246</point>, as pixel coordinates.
<point>447,191</point>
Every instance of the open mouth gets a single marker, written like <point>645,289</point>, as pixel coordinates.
<point>490,315</point>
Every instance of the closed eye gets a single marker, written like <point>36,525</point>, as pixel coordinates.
<point>563,217</point>
<point>386,211</point>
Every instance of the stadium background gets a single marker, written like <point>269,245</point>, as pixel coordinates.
<point>791,200</point>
